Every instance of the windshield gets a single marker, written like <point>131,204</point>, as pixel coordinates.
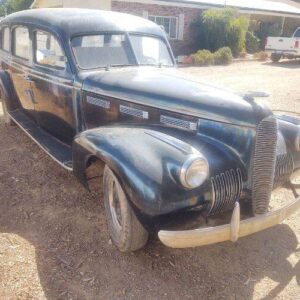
<point>102,50</point>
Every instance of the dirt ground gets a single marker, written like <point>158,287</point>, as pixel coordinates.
<point>54,242</point>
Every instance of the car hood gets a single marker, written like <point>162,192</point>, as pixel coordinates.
<point>170,89</point>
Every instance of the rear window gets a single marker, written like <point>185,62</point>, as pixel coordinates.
<point>5,39</point>
<point>21,42</point>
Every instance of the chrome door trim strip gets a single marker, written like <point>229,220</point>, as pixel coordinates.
<point>37,74</point>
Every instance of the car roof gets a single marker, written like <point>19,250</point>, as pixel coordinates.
<point>75,21</point>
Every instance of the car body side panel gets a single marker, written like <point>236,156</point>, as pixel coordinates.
<point>54,106</point>
<point>11,98</point>
<point>148,162</point>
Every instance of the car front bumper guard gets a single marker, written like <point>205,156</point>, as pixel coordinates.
<point>229,232</point>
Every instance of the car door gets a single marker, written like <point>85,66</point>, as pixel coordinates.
<point>20,68</point>
<point>52,84</point>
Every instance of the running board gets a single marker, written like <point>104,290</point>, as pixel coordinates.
<point>57,150</point>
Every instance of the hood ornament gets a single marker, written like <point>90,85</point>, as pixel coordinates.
<point>250,95</point>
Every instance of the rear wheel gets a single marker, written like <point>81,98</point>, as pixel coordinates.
<point>7,119</point>
<point>275,57</point>
<point>126,232</point>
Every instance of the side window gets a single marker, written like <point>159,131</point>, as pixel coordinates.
<point>297,33</point>
<point>5,39</point>
<point>21,42</point>
<point>48,51</point>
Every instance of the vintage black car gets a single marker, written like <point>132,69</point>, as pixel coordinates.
<point>100,93</point>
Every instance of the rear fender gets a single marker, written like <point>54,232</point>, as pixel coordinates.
<point>9,95</point>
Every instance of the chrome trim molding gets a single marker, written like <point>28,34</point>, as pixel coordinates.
<point>297,141</point>
<point>284,169</point>
<point>178,123</point>
<point>187,164</point>
<point>98,102</point>
<point>167,108</point>
<point>134,112</point>
<point>65,166</point>
<point>226,191</point>
<point>232,231</point>
<point>36,74</point>
<point>178,144</point>
<point>264,162</point>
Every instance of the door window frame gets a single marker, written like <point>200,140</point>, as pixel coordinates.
<point>9,39</point>
<point>66,72</point>
<point>13,43</point>
<point>35,31</point>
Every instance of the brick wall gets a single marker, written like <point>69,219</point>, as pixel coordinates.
<point>185,46</point>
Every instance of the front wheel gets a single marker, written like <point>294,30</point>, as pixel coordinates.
<point>275,57</point>
<point>126,232</point>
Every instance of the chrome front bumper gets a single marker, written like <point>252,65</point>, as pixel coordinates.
<point>229,232</point>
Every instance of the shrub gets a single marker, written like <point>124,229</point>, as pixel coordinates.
<point>263,56</point>
<point>203,58</point>
<point>223,28</point>
<point>237,35</point>
<point>223,56</point>
<point>252,42</point>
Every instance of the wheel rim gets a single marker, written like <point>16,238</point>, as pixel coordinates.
<point>114,204</point>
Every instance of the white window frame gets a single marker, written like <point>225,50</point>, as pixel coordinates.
<point>168,17</point>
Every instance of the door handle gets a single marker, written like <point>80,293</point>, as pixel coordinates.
<point>28,78</point>
<point>30,96</point>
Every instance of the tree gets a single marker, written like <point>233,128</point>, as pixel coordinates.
<point>11,6</point>
<point>223,28</point>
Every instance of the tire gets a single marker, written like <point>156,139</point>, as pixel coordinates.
<point>126,232</point>
<point>275,57</point>
<point>7,119</point>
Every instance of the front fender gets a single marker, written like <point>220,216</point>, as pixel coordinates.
<point>147,163</point>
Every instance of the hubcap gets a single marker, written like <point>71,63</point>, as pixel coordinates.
<point>114,204</point>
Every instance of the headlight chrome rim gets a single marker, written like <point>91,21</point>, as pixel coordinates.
<point>297,140</point>
<point>192,160</point>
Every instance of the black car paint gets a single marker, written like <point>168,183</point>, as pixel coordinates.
<point>168,89</point>
<point>146,165</point>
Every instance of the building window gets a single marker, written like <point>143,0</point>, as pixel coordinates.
<point>170,24</point>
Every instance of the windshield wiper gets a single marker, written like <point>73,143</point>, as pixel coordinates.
<point>107,68</point>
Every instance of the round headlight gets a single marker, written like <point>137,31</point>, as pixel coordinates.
<point>194,172</point>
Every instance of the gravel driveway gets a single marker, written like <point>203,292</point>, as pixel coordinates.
<point>54,242</point>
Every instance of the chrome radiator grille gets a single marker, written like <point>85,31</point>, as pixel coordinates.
<point>263,171</point>
<point>284,169</point>
<point>226,190</point>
